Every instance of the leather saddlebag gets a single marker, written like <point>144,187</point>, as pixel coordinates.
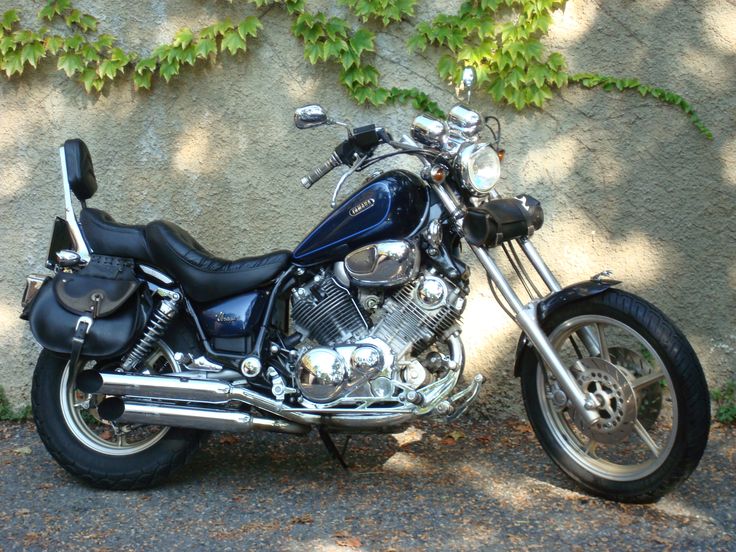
<point>105,297</point>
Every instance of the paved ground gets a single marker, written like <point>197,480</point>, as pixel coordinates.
<point>438,487</point>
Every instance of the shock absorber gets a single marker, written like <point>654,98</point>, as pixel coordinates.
<point>160,319</point>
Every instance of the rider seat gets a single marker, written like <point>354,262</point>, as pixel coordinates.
<point>203,276</point>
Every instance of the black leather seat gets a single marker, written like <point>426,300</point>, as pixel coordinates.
<point>107,237</point>
<point>203,276</point>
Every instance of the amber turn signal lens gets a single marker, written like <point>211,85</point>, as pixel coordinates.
<point>438,173</point>
<point>501,153</point>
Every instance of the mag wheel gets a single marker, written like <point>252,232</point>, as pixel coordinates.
<point>651,397</point>
<point>100,452</point>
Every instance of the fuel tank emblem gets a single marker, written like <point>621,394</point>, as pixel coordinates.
<point>362,206</point>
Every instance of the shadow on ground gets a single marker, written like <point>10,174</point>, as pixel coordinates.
<point>457,487</point>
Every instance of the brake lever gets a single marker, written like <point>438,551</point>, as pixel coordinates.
<point>343,178</point>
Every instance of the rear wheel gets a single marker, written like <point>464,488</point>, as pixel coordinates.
<point>102,453</point>
<point>652,398</point>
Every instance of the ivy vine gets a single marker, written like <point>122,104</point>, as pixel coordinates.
<point>501,39</point>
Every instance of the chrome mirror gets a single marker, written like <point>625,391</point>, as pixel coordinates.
<point>468,80</point>
<point>310,116</point>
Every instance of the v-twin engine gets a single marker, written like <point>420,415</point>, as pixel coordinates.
<point>353,356</point>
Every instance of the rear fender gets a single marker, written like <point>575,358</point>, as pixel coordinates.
<point>555,301</point>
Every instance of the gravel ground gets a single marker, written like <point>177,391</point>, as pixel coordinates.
<point>459,487</point>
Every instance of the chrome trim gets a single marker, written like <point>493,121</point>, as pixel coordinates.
<point>33,286</point>
<point>464,121</point>
<point>310,116</point>
<point>392,263</point>
<point>133,412</point>
<point>178,388</point>
<point>429,131</point>
<point>158,275</point>
<point>71,218</point>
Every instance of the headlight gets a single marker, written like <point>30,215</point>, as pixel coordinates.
<point>480,168</point>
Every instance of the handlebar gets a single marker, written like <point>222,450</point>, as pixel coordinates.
<point>318,172</point>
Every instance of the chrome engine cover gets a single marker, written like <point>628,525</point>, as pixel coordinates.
<point>386,263</point>
<point>325,373</point>
<point>352,364</point>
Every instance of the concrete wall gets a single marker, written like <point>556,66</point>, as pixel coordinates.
<point>627,183</point>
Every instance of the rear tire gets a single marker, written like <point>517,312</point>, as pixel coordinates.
<point>92,455</point>
<point>648,444</point>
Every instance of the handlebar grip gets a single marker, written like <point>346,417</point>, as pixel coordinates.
<point>332,163</point>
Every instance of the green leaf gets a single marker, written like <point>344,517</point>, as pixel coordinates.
<point>89,79</point>
<point>32,53</point>
<point>497,90</point>
<point>10,17</point>
<point>205,47</point>
<point>73,42</point>
<point>146,65</point>
<point>189,55</point>
<point>168,69</point>
<point>446,67</point>
<point>221,27</point>
<point>87,23</point>
<point>362,41</point>
<point>232,42</point>
<point>417,43</point>
<point>109,68</point>
<point>105,41</point>
<point>142,80</point>
<point>70,64</point>
<point>12,63</point>
<point>6,44</point>
<point>249,27</point>
<point>53,44</point>
<point>90,52</point>
<point>183,37</point>
<point>538,73</point>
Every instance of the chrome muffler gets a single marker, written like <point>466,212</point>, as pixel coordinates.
<point>118,410</point>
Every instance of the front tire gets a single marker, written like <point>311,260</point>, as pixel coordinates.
<point>96,451</point>
<point>652,395</point>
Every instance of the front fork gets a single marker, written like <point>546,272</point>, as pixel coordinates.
<point>526,314</point>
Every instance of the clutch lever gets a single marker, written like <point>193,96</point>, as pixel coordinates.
<point>344,177</point>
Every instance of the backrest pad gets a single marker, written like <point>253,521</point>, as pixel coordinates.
<point>79,169</point>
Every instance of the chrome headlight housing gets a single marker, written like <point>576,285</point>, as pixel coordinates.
<point>480,168</point>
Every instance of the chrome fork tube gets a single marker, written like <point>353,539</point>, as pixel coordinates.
<point>586,334</point>
<point>526,318</point>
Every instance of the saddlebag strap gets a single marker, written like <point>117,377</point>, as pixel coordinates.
<point>80,335</point>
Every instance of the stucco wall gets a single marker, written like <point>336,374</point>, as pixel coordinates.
<point>627,183</point>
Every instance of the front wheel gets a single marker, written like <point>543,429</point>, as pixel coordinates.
<point>652,398</point>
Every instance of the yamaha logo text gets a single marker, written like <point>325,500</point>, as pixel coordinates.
<point>362,206</point>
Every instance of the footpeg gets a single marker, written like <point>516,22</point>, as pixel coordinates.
<point>460,401</point>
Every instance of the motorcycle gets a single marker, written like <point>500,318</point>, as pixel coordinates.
<point>149,341</point>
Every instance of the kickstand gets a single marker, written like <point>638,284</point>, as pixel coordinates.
<point>332,447</point>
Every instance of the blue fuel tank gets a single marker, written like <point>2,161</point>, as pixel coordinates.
<point>392,206</point>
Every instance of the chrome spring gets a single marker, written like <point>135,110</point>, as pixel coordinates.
<point>160,319</point>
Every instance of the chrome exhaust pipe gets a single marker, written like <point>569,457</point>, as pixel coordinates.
<point>118,410</point>
<point>180,388</point>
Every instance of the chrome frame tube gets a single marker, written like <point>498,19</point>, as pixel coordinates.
<point>71,218</point>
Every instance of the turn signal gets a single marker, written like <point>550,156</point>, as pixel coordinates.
<point>438,173</point>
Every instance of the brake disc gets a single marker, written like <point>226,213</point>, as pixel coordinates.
<point>617,405</point>
<point>649,398</point>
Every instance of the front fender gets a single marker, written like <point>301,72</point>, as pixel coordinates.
<point>557,300</point>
